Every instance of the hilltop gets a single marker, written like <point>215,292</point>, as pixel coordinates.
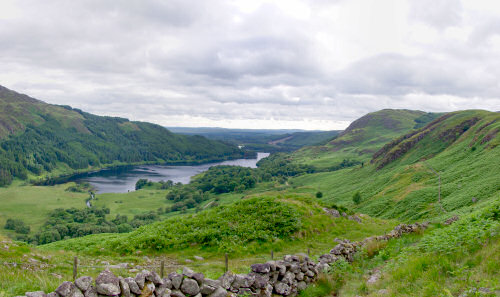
<point>37,139</point>
<point>364,137</point>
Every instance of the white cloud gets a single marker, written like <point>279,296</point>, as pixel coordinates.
<point>263,63</point>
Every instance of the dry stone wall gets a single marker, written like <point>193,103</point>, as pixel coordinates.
<point>284,277</point>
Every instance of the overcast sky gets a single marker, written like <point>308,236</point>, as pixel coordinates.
<point>315,64</point>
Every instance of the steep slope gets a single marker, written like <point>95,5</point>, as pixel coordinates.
<point>364,137</point>
<point>402,179</point>
<point>39,138</point>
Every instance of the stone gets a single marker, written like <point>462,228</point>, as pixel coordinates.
<point>294,268</point>
<point>154,277</point>
<point>177,293</point>
<point>199,277</point>
<point>148,290</point>
<point>245,292</point>
<point>36,294</point>
<point>124,288</point>
<point>132,284</point>
<point>212,283</point>
<point>199,258</point>
<point>91,292</point>
<point>190,287</point>
<point>333,212</point>
<point>161,289</point>
<point>261,281</point>
<point>167,283</point>
<point>176,280</point>
<point>83,283</point>
<point>288,278</point>
<point>243,281</point>
<point>227,280</point>
<point>166,293</point>
<point>261,268</point>
<point>52,294</point>
<point>187,272</point>
<point>140,278</point>
<point>206,289</point>
<point>309,273</point>
<point>282,289</point>
<point>301,286</point>
<point>299,276</point>
<point>107,283</point>
<point>281,269</point>
<point>272,265</point>
<point>219,292</point>
<point>68,289</point>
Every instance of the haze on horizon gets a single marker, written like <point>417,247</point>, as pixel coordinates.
<point>291,64</point>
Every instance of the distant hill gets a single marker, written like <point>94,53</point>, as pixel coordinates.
<point>37,138</point>
<point>364,137</point>
<point>269,140</point>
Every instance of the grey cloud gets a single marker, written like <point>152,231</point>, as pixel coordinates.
<point>438,13</point>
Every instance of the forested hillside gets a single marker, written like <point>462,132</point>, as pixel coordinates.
<point>38,138</point>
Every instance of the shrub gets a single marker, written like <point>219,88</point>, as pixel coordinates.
<point>356,198</point>
<point>319,194</point>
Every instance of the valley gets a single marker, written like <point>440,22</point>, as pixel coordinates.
<point>388,167</point>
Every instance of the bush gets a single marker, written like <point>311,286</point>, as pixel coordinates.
<point>17,225</point>
<point>319,194</point>
<point>356,198</point>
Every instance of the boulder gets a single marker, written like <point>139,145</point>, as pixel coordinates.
<point>140,278</point>
<point>199,277</point>
<point>301,286</point>
<point>91,292</point>
<point>167,283</point>
<point>124,288</point>
<point>154,277</point>
<point>176,280</point>
<point>212,283</point>
<point>177,293</point>
<point>187,272</point>
<point>299,276</point>
<point>190,287</point>
<point>68,289</point>
<point>261,268</point>
<point>206,289</point>
<point>52,294</point>
<point>282,289</point>
<point>133,286</point>
<point>83,283</point>
<point>107,284</point>
<point>227,280</point>
<point>148,290</point>
<point>220,292</point>
<point>261,281</point>
<point>161,289</point>
<point>36,294</point>
<point>243,281</point>
<point>288,278</point>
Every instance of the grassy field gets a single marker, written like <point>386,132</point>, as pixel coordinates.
<point>32,204</point>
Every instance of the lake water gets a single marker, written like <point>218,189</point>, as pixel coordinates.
<point>123,180</point>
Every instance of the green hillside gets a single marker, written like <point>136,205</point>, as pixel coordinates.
<point>364,137</point>
<point>399,182</point>
<point>39,138</point>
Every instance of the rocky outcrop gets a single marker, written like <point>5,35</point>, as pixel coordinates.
<point>284,277</point>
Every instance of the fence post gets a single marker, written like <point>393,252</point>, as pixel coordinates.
<point>272,255</point>
<point>75,267</point>
<point>227,263</point>
<point>162,268</point>
<point>308,251</point>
